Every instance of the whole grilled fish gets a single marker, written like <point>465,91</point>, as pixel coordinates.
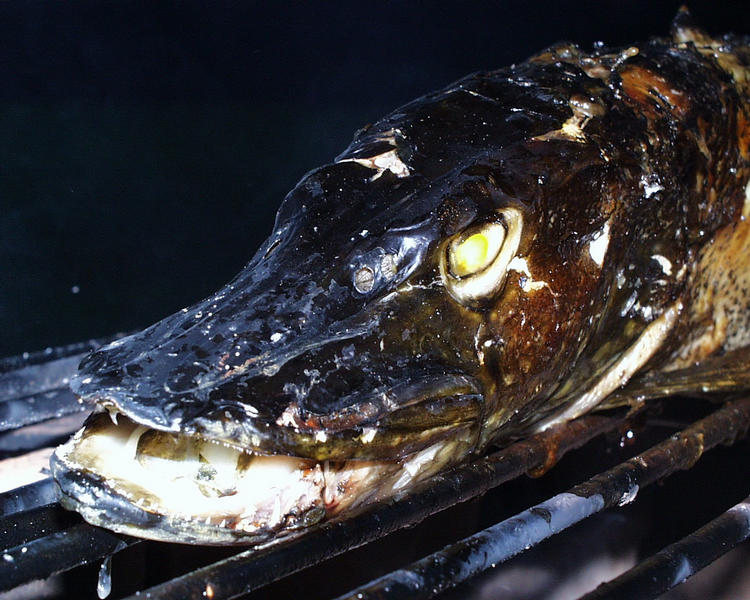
<point>491,259</point>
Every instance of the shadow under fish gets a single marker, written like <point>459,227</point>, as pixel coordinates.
<point>489,260</point>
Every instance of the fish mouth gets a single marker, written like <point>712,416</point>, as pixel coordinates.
<point>381,416</point>
<point>183,488</point>
<point>205,483</point>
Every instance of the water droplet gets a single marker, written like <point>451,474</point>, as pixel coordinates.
<point>629,495</point>
<point>104,584</point>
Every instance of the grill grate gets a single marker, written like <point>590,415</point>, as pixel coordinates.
<point>40,539</point>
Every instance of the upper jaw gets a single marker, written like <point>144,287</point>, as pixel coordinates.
<point>377,422</point>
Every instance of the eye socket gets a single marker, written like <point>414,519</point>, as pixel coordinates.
<point>474,263</point>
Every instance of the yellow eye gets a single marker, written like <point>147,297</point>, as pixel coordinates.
<point>469,255</point>
<point>474,263</point>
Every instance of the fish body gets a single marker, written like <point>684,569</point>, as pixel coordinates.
<point>486,261</point>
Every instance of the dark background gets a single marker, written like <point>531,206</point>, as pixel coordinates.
<point>145,147</point>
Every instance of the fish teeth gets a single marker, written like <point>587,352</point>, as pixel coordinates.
<point>276,515</point>
<point>113,412</point>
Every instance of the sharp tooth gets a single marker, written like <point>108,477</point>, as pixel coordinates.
<point>113,414</point>
<point>131,445</point>
<point>276,516</point>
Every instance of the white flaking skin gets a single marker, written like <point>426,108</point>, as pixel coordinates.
<point>572,129</point>
<point>388,161</point>
<point>519,265</point>
<point>598,246</point>
<point>664,263</point>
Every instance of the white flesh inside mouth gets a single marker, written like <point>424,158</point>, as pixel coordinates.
<point>192,480</point>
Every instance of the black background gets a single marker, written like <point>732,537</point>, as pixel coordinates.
<point>145,147</point>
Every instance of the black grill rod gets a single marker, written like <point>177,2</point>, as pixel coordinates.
<point>16,413</point>
<point>252,569</point>
<point>22,527</point>
<point>27,497</point>
<point>61,551</point>
<point>679,561</point>
<point>34,387</point>
<point>458,562</point>
<point>38,393</point>
<point>12,363</point>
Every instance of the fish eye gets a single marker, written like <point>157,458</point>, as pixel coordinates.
<point>469,255</point>
<point>474,262</point>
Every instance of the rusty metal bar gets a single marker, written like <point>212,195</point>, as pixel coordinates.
<point>464,559</point>
<point>255,568</point>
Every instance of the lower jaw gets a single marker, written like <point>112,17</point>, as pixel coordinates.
<point>275,497</point>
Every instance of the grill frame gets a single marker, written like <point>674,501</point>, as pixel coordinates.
<point>44,539</point>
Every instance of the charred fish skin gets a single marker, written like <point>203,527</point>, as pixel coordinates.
<point>490,259</point>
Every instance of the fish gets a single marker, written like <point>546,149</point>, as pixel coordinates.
<point>506,254</point>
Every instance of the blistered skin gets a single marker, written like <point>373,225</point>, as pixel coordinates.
<point>490,259</point>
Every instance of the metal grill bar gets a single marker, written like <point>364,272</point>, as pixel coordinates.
<point>19,528</point>
<point>27,497</point>
<point>13,363</point>
<point>679,561</point>
<point>255,568</point>
<point>460,561</point>
<point>34,387</point>
<point>19,412</point>
<point>61,551</point>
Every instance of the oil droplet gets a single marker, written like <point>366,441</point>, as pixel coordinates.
<point>104,584</point>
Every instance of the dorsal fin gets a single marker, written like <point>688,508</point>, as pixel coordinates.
<point>685,30</point>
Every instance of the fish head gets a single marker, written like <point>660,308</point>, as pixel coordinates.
<point>339,323</point>
<point>404,308</point>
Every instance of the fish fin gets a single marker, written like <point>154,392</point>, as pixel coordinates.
<point>712,378</point>
<point>684,29</point>
<point>620,372</point>
<point>682,20</point>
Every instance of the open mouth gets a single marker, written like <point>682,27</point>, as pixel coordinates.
<point>179,488</point>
